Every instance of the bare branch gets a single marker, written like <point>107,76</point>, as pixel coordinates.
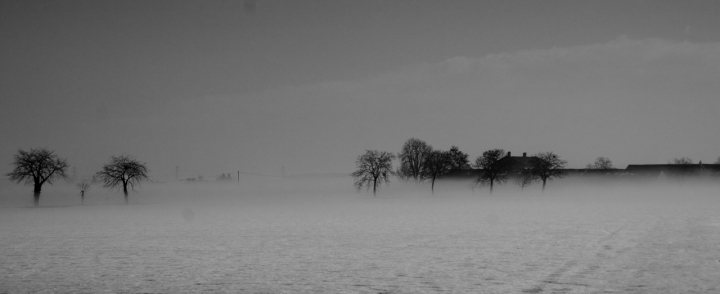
<point>546,166</point>
<point>436,163</point>
<point>122,171</point>
<point>373,168</point>
<point>492,168</point>
<point>36,167</point>
<point>524,178</point>
<point>601,163</point>
<point>83,186</point>
<point>412,158</point>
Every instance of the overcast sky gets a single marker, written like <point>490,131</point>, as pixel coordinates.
<point>213,87</point>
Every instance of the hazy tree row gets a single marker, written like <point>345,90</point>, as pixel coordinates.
<point>600,163</point>
<point>419,161</point>
<point>606,163</point>
<point>686,168</point>
<point>39,166</point>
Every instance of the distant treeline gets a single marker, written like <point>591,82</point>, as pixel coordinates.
<point>418,161</point>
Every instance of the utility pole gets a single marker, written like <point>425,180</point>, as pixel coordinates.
<point>238,177</point>
<point>177,172</point>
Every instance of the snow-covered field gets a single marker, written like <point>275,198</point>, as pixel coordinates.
<point>308,236</point>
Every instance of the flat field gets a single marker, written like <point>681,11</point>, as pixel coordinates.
<point>309,238</point>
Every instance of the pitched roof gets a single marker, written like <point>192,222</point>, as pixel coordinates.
<point>518,162</point>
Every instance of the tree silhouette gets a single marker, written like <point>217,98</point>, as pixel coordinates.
<point>122,171</point>
<point>458,159</point>
<point>436,163</point>
<point>492,169</point>
<point>412,159</point>
<point>373,168</point>
<point>546,166</point>
<point>684,168</point>
<point>84,186</point>
<point>523,179</point>
<point>37,167</point>
<point>601,163</point>
<point>682,160</point>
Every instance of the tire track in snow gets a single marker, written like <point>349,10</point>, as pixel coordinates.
<point>679,255</point>
<point>572,275</point>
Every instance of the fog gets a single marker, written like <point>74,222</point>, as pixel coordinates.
<point>319,235</point>
<point>307,86</point>
<point>338,189</point>
<point>274,88</point>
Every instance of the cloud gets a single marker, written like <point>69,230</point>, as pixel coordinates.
<point>621,97</point>
<point>635,101</point>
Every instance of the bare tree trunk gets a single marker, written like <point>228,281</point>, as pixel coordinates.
<point>491,186</point>
<point>432,186</point>
<point>36,194</point>
<point>543,188</point>
<point>374,187</point>
<point>126,193</point>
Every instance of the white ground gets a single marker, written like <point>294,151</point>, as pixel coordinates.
<point>656,239</point>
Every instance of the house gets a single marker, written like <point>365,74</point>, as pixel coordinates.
<point>633,171</point>
<point>517,163</point>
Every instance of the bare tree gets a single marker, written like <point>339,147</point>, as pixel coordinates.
<point>37,167</point>
<point>373,168</point>
<point>84,186</point>
<point>412,159</point>
<point>523,179</point>
<point>684,168</point>
<point>436,163</point>
<point>546,166</point>
<point>492,169</point>
<point>122,171</point>
<point>601,163</point>
<point>458,159</point>
<point>682,160</point>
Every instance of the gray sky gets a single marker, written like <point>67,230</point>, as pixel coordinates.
<point>309,85</point>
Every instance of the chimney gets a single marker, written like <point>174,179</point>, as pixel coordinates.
<point>508,154</point>
<point>524,154</point>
